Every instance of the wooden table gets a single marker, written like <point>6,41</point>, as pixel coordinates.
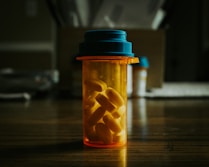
<point>48,132</point>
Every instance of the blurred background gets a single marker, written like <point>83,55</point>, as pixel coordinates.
<point>39,40</point>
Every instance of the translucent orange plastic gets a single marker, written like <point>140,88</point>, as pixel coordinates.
<point>104,101</point>
<point>116,59</point>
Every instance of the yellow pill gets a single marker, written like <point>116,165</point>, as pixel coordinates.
<point>91,133</point>
<point>123,121</point>
<point>95,85</point>
<point>114,96</point>
<point>96,116</point>
<point>119,137</point>
<point>89,104</point>
<point>111,123</point>
<point>90,101</point>
<point>119,111</point>
<point>92,96</point>
<point>90,110</point>
<point>105,102</point>
<point>103,133</point>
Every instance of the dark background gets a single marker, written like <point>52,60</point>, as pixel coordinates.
<point>186,27</point>
<point>187,46</point>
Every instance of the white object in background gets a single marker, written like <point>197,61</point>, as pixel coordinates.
<point>119,13</point>
<point>140,77</point>
<point>83,11</point>
<point>160,14</point>
<point>181,90</point>
<point>140,81</point>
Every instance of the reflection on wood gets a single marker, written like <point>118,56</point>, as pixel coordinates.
<point>48,132</point>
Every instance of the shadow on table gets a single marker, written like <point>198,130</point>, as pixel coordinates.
<point>32,150</point>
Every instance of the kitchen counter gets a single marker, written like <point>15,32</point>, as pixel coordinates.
<point>48,132</point>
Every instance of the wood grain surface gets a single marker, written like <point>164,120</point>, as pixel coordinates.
<point>48,132</point>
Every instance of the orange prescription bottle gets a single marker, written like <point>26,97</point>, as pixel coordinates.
<point>105,55</point>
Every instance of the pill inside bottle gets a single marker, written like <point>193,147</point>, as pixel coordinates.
<point>105,55</point>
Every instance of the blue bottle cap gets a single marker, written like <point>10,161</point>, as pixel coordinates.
<point>143,62</point>
<point>105,43</point>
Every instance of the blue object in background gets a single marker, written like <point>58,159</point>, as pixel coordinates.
<point>143,62</point>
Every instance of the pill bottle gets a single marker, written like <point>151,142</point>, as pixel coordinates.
<point>105,55</point>
<point>140,77</point>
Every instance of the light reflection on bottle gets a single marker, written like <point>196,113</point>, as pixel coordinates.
<point>129,116</point>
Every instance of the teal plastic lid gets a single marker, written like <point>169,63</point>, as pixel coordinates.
<point>105,42</point>
<point>143,62</point>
